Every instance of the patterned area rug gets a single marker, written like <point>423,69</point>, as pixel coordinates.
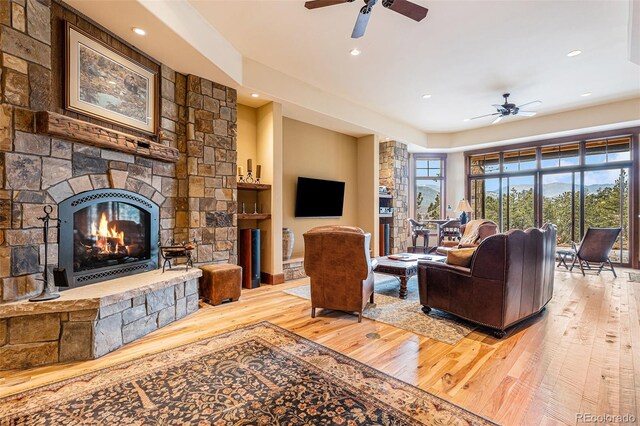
<point>634,277</point>
<point>406,314</point>
<point>256,375</point>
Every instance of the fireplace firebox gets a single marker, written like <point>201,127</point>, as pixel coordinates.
<point>105,234</point>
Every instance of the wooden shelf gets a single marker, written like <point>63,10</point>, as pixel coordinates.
<point>254,186</point>
<point>61,126</point>
<point>254,216</point>
<point>385,196</point>
<point>386,215</point>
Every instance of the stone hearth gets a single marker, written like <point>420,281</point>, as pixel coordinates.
<point>91,321</point>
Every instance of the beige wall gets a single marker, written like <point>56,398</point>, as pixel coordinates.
<point>269,155</point>
<point>314,152</point>
<point>247,137</point>
<point>455,179</point>
<point>368,196</point>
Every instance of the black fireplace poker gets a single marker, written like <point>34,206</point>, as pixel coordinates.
<point>46,294</point>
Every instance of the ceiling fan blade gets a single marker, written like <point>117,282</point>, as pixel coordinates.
<point>497,106</point>
<point>486,115</point>
<point>530,103</point>
<point>314,4</point>
<point>498,118</point>
<point>526,113</point>
<point>363,20</point>
<point>406,8</point>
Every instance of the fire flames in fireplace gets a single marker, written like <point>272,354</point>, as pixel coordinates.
<point>108,240</point>
<point>108,234</point>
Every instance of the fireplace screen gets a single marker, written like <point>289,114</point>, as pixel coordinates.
<point>107,234</point>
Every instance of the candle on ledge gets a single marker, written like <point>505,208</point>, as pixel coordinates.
<point>249,164</point>
<point>258,170</point>
<point>240,170</point>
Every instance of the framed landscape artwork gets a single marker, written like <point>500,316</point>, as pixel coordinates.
<point>105,84</point>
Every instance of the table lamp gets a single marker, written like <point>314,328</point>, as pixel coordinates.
<point>462,208</point>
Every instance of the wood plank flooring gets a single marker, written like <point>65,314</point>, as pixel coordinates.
<point>581,355</point>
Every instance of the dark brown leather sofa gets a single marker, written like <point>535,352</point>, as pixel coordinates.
<point>510,279</point>
<point>337,261</point>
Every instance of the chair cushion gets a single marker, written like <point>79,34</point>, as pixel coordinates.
<point>460,257</point>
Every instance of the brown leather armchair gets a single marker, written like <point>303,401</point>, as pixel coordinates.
<point>336,259</point>
<point>510,279</point>
<point>486,229</point>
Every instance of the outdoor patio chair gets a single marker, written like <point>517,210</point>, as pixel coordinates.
<point>595,247</point>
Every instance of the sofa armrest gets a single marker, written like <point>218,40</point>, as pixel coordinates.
<point>460,270</point>
<point>467,245</point>
<point>450,243</point>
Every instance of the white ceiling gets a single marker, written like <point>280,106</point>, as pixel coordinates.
<point>465,53</point>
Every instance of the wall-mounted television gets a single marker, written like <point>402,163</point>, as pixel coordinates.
<point>319,198</point>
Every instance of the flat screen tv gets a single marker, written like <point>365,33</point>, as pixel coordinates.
<point>319,198</point>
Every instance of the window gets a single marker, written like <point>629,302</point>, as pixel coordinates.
<point>607,151</point>
<point>485,164</point>
<point>514,161</point>
<point>575,186</point>
<point>560,156</point>
<point>429,187</point>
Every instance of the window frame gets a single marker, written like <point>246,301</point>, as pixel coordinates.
<point>633,165</point>
<point>443,180</point>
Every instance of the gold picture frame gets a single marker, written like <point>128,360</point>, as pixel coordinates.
<point>103,83</point>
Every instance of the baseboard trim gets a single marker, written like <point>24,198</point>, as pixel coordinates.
<point>271,279</point>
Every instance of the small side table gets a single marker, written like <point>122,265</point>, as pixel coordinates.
<point>563,254</point>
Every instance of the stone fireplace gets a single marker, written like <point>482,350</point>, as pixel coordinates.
<point>105,234</point>
<point>192,196</point>
<point>115,204</point>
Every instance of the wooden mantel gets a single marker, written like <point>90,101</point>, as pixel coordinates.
<point>64,127</point>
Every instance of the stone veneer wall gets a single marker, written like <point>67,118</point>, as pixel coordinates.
<point>394,174</point>
<point>35,170</point>
<point>40,339</point>
<point>293,269</point>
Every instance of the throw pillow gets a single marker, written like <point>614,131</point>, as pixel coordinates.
<point>460,257</point>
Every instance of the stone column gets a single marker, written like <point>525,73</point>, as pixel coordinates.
<point>211,169</point>
<point>394,174</point>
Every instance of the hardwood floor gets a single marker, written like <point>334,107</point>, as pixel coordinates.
<point>582,355</point>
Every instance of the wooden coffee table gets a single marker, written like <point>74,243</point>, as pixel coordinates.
<point>403,270</point>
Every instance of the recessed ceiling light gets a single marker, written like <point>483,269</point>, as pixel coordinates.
<point>255,95</point>
<point>574,53</point>
<point>426,96</point>
<point>586,94</point>
<point>138,31</point>
<point>354,52</point>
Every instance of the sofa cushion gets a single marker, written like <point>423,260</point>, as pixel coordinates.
<point>460,257</point>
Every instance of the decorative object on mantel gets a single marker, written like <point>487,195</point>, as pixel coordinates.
<point>103,83</point>
<point>173,251</point>
<point>383,190</point>
<point>240,175</point>
<point>46,293</point>
<point>287,243</point>
<point>249,176</point>
<point>68,128</point>
<point>463,207</point>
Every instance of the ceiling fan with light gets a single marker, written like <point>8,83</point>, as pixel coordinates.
<point>403,7</point>
<point>507,109</point>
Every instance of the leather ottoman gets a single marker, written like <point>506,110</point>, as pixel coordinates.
<point>220,282</point>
